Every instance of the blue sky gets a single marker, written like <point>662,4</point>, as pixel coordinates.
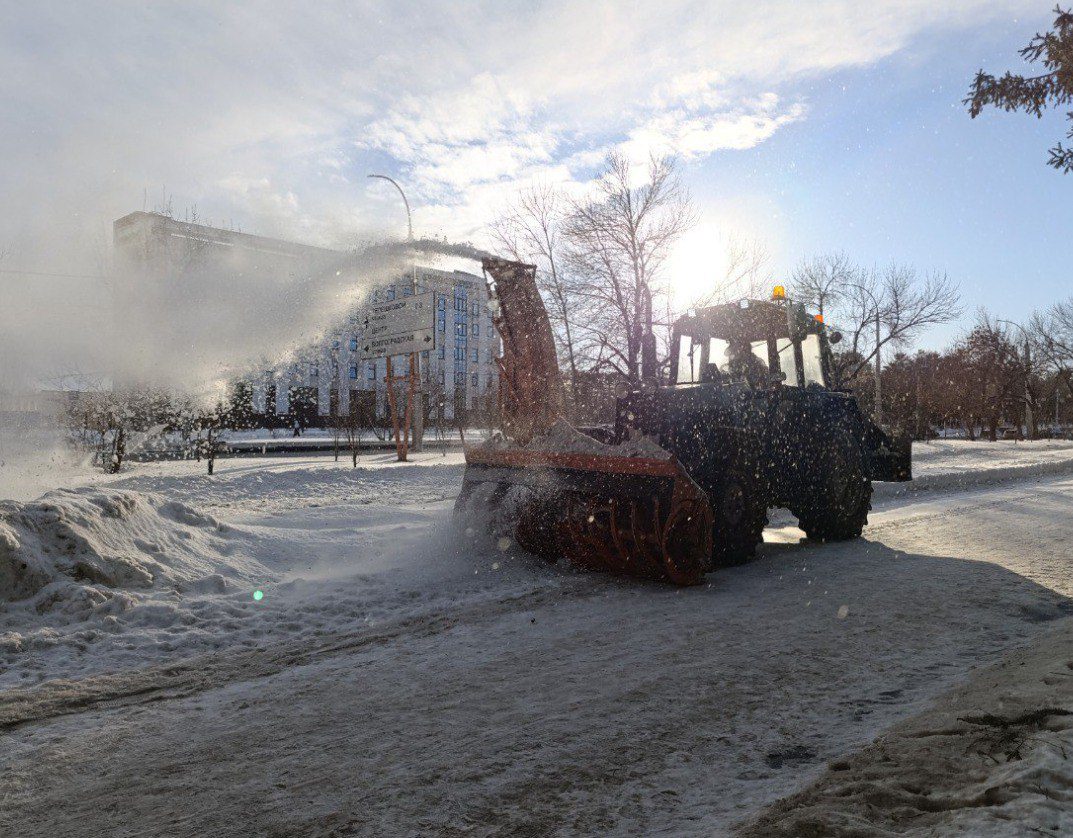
<point>808,127</point>
<point>888,166</point>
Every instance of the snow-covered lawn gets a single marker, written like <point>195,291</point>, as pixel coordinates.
<point>945,462</point>
<point>328,546</point>
<point>450,684</point>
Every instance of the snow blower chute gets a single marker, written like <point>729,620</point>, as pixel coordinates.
<point>628,508</point>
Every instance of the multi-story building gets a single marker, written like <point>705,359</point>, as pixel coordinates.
<point>331,377</point>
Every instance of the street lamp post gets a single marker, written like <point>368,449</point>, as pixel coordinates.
<point>418,415</point>
<point>879,340</point>
<point>1029,416</point>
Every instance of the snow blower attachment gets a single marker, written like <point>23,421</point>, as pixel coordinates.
<point>748,421</point>
<point>628,508</point>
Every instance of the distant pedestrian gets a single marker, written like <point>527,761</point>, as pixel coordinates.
<point>297,428</point>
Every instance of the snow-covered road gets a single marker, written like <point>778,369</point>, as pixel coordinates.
<point>398,682</point>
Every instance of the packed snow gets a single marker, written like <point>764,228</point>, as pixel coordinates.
<point>992,757</point>
<point>492,689</point>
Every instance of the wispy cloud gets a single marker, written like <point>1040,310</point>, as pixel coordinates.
<point>270,115</point>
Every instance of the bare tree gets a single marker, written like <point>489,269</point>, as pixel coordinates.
<point>210,426</point>
<point>821,281</point>
<point>993,372</point>
<point>902,301</point>
<point>1052,349</point>
<point>617,243</point>
<point>360,417</point>
<point>436,417</point>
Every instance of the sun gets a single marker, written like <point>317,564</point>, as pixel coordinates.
<point>697,265</point>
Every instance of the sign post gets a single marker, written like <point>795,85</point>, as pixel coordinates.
<point>404,326</point>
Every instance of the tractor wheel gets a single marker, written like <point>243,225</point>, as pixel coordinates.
<point>837,508</point>
<point>739,515</point>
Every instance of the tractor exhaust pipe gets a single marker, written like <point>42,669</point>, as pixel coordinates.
<point>648,344</point>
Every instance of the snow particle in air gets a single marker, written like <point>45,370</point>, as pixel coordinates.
<point>503,544</point>
<point>258,595</point>
<point>843,612</point>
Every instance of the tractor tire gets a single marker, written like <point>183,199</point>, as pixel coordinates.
<point>837,508</point>
<point>739,515</point>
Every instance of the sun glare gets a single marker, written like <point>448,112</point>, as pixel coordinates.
<point>698,264</point>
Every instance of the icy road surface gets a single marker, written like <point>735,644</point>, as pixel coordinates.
<point>397,681</point>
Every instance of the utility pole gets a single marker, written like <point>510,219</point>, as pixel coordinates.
<point>414,413</point>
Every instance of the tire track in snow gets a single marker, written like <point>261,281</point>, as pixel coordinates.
<point>20,707</point>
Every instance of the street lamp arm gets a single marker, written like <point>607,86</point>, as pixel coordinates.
<point>406,203</point>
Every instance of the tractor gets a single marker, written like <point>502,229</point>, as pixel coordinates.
<point>745,421</point>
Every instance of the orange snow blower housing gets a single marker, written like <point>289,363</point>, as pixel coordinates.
<point>628,508</point>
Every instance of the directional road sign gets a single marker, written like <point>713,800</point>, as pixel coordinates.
<point>400,326</point>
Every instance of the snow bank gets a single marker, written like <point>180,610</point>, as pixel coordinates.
<point>75,563</point>
<point>953,464</point>
<point>991,757</point>
<point>75,550</point>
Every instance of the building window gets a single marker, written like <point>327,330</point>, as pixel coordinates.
<point>475,357</point>
<point>475,308</point>
<point>460,329</point>
<point>443,377</point>
<point>391,292</point>
<point>407,291</point>
<point>441,322</point>
<point>353,344</point>
<point>460,353</point>
<point>476,330</point>
<point>353,372</point>
<point>443,351</point>
<point>460,379</point>
<point>441,302</point>
<point>371,374</point>
<point>314,372</point>
<point>474,379</point>
<point>424,355</point>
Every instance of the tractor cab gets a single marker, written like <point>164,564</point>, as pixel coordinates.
<point>758,341</point>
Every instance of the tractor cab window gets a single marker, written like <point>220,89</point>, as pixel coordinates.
<point>718,354</point>
<point>784,347</point>
<point>810,358</point>
<point>759,348</point>
<point>690,356</point>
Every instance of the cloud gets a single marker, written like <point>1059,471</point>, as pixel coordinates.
<point>269,115</point>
